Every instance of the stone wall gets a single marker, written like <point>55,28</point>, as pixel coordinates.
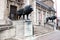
<point>49,3</point>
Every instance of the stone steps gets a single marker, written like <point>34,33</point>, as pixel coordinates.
<point>7,33</point>
<point>3,28</point>
<point>7,30</point>
<point>40,30</point>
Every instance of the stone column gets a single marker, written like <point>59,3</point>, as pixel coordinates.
<point>3,4</point>
<point>42,22</point>
<point>37,17</point>
<point>34,12</point>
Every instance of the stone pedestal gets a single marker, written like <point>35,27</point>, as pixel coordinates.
<point>23,29</point>
<point>28,30</point>
<point>19,29</point>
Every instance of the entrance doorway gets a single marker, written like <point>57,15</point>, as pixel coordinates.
<point>13,15</point>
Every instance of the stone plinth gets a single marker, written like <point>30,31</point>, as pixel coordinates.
<point>28,29</point>
<point>19,28</point>
<point>23,28</point>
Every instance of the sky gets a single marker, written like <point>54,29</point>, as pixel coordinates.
<point>57,7</point>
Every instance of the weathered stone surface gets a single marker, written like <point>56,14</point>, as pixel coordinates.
<point>28,28</point>
<point>19,27</point>
<point>40,30</point>
<point>51,36</point>
<point>7,34</point>
<point>7,30</point>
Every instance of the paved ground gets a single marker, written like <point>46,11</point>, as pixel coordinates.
<point>52,36</point>
<point>40,30</point>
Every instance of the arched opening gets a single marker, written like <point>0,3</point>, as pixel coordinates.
<point>13,10</point>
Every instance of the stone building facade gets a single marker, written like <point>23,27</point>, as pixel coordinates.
<point>41,10</point>
<point>38,6</point>
<point>12,6</point>
<point>45,8</point>
<point>16,5</point>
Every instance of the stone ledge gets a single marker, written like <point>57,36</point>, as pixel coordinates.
<point>5,24</point>
<point>5,28</point>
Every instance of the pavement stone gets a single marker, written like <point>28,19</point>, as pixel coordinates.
<point>53,36</point>
<point>40,30</point>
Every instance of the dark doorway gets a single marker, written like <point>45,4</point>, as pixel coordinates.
<point>13,15</point>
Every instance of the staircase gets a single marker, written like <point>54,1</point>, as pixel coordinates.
<point>40,30</point>
<point>7,30</point>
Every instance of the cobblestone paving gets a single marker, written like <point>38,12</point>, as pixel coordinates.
<point>39,30</point>
<point>52,36</point>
